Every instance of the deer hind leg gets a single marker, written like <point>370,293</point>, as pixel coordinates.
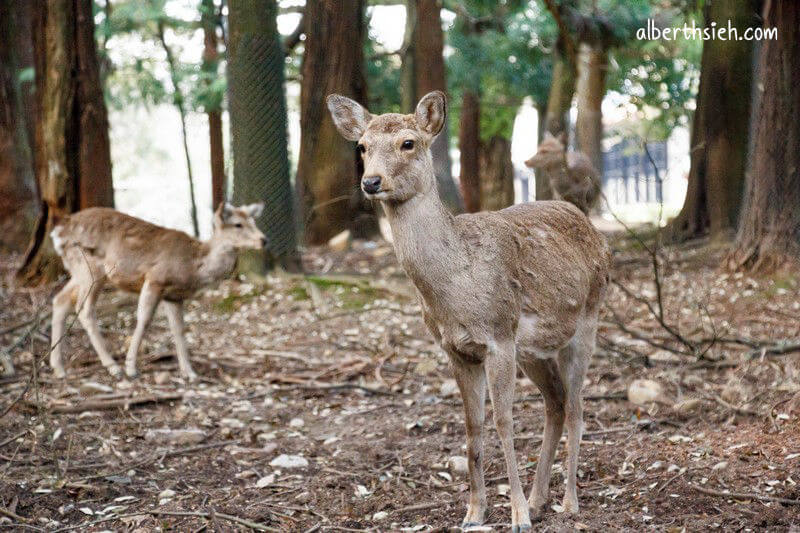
<point>62,303</point>
<point>501,369</point>
<point>174,312</point>
<point>148,300</point>
<point>572,362</point>
<point>471,381</point>
<point>544,373</point>
<point>85,304</point>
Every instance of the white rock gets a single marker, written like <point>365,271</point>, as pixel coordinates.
<point>664,356</point>
<point>289,461</point>
<point>503,489</point>
<point>265,481</point>
<point>688,405</point>
<point>233,423</point>
<point>175,436</point>
<point>297,423</point>
<point>643,391</point>
<point>449,388</point>
<point>458,464</point>
<point>380,515</point>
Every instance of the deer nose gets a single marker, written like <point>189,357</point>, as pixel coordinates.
<point>371,184</point>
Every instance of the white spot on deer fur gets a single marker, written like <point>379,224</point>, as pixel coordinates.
<point>58,241</point>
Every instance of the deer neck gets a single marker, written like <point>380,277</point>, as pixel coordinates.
<point>217,260</point>
<point>425,238</point>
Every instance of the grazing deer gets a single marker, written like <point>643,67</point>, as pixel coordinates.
<point>100,245</point>
<point>572,176</point>
<point>521,286</point>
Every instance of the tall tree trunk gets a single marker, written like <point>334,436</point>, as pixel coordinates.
<point>591,87</point>
<point>430,76</point>
<point>259,123</point>
<point>408,68</point>
<point>497,174</point>
<point>719,141</point>
<point>209,19</point>
<point>468,144</point>
<point>333,62</point>
<point>559,101</point>
<point>18,205</point>
<point>178,100</point>
<point>769,232</point>
<point>73,159</point>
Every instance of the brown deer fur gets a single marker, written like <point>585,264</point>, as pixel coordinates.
<point>572,176</point>
<point>521,286</point>
<point>101,246</point>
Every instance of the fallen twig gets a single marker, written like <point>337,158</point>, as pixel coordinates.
<point>743,495</point>
<point>257,526</point>
<point>103,405</point>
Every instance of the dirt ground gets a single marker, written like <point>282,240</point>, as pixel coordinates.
<point>337,372</point>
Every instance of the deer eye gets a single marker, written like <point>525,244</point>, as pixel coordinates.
<point>407,145</point>
<point>239,225</point>
<point>361,148</point>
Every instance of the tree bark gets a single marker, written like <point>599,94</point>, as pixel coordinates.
<point>559,101</point>
<point>719,141</point>
<point>327,177</point>
<point>497,174</point>
<point>209,21</point>
<point>468,143</point>
<point>769,232</point>
<point>430,76</point>
<point>591,88</point>
<point>18,194</point>
<point>256,63</point>
<point>73,159</point>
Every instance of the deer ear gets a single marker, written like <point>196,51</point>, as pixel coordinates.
<point>350,117</point>
<point>431,113</point>
<point>255,210</point>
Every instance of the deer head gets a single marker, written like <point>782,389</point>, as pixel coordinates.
<point>237,225</point>
<point>395,148</point>
<point>550,153</point>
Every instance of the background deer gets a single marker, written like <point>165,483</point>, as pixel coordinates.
<point>572,176</point>
<point>521,286</point>
<point>100,246</point>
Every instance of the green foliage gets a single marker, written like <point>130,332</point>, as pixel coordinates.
<point>139,71</point>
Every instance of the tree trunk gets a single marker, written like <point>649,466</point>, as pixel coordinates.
<point>591,87</point>
<point>559,101</point>
<point>18,205</point>
<point>178,100</point>
<point>209,20</point>
<point>719,142</point>
<point>497,174</point>
<point>468,143</point>
<point>769,232</point>
<point>73,160</point>
<point>428,54</point>
<point>327,177</point>
<point>408,74</point>
<point>259,123</point>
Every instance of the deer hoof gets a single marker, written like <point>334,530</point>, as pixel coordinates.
<point>131,373</point>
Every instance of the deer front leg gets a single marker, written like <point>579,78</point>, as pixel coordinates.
<point>148,300</point>
<point>471,381</point>
<point>501,371</point>
<point>175,317</point>
<point>62,302</point>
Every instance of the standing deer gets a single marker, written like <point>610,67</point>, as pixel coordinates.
<point>572,176</point>
<point>521,286</point>
<point>100,245</point>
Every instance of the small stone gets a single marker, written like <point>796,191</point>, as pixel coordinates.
<point>289,461</point>
<point>644,391</point>
<point>458,464</point>
<point>664,356</point>
<point>161,378</point>
<point>89,388</point>
<point>688,405</point>
<point>303,497</point>
<point>380,515</point>
<point>503,489</point>
<point>448,388</point>
<point>297,423</point>
<point>233,423</point>
<point>265,481</point>
<point>175,436</point>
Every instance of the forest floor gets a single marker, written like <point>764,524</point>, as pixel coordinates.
<point>324,404</point>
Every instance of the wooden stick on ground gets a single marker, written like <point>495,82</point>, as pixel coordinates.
<point>744,495</point>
